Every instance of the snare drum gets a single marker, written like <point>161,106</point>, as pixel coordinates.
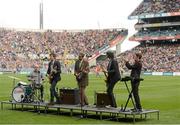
<point>22,94</point>
<point>35,86</point>
<point>38,86</point>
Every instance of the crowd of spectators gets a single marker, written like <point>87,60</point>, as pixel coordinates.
<point>156,57</point>
<point>172,19</point>
<point>23,48</point>
<point>158,33</point>
<point>157,7</point>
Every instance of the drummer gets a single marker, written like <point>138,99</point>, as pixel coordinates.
<point>37,78</point>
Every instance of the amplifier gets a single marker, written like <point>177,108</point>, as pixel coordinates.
<point>69,96</point>
<point>102,99</point>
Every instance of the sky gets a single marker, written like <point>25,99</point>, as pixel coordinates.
<point>70,14</point>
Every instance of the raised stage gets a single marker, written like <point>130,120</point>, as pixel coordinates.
<point>113,112</point>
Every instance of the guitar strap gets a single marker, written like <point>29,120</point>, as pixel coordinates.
<point>81,65</point>
<point>109,65</point>
<point>52,64</point>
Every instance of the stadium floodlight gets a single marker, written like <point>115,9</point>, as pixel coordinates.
<point>41,15</point>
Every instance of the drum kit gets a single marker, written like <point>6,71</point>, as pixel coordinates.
<point>23,92</point>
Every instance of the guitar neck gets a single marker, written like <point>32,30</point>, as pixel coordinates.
<point>105,74</point>
<point>103,70</point>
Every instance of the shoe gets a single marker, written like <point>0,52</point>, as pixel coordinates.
<point>139,110</point>
<point>136,110</point>
<point>108,106</point>
<point>51,103</point>
<point>114,106</point>
<point>86,103</point>
<point>57,102</point>
<point>80,104</point>
<point>42,100</point>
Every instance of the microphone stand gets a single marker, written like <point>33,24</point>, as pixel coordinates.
<point>81,100</point>
<point>11,95</point>
<point>81,116</point>
<point>81,105</point>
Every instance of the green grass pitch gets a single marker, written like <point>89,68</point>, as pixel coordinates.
<point>156,92</point>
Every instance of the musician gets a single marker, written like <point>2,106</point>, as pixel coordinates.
<point>113,76</point>
<point>135,78</point>
<point>37,78</point>
<point>54,71</point>
<point>81,71</point>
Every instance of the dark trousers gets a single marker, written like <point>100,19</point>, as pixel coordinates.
<point>38,88</point>
<point>110,87</point>
<point>53,92</point>
<point>41,89</point>
<point>42,92</point>
<point>135,91</point>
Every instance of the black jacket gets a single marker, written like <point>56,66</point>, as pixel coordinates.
<point>76,67</point>
<point>113,72</point>
<point>57,68</point>
<point>136,69</point>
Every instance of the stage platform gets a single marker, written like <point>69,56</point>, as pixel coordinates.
<point>113,112</point>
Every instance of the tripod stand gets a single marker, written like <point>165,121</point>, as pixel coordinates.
<point>81,100</point>
<point>130,92</point>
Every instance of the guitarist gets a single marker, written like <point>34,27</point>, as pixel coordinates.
<point>112,77</point>
<point>54,71</point>
<point>81,71</point>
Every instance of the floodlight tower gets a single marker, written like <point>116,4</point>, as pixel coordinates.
<point>41,15</point>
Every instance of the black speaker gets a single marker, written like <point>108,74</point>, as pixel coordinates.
<point>69,96</point>
<point>102,99</point>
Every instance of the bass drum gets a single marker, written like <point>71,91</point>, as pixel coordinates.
<point>18,94</point>
<point>22,94</point>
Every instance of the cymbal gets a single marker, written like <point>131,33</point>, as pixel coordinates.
<point>12,77</point>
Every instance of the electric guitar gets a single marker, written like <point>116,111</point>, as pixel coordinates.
<point>51,75</point>
<point>105,73</point>
<point>79,76</point>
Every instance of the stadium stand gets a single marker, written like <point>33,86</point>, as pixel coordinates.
<point>158,56</point>
<point>148,7</point>
<point>18,46</point>
<point>158,35</point>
